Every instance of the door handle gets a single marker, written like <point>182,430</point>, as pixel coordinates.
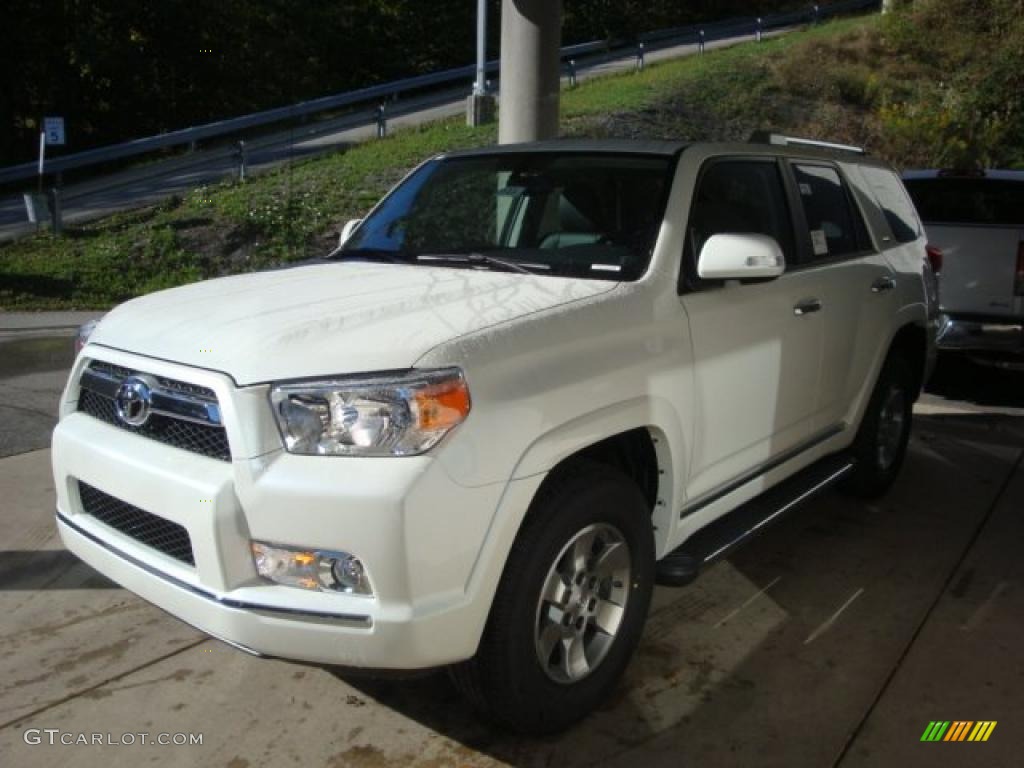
<point>883,284</point>
<point>807,306</point>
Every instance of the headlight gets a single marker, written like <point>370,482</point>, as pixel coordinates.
<point>403,415</point>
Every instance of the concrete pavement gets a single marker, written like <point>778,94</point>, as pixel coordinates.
<point>832,639</point>
<point>965,663</point>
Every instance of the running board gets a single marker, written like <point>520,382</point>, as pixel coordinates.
<point>722,536</point>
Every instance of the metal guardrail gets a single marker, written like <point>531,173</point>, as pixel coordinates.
<point>695,33</point>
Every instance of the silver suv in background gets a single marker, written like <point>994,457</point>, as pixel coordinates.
<point>976,219</point>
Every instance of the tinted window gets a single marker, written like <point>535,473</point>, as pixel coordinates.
<point>993,202</point>
<point>835,228</point>
<point>895,204</point>
<point>739,197</point>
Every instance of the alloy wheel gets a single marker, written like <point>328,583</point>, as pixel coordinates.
<point>582,603</point>
<point>891,423</point>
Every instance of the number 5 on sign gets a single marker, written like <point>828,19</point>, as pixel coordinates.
<point>53,127</point>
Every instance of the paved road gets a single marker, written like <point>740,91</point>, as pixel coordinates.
<point>830,640</point>
<point>153,182</point>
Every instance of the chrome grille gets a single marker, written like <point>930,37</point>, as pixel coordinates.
<point>146,528</point>
<point>193,426</point>
<point>120,372</point>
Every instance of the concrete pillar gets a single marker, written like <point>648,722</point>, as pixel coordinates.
<point>531,31</point>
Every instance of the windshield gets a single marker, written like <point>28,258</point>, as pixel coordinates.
<point>578,215</point>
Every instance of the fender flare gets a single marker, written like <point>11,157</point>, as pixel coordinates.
<point>655,414</point>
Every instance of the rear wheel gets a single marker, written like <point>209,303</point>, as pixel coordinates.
<point>571,605</point>
<point>881,443</point>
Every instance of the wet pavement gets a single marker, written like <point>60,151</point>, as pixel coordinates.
<point>33,370</point>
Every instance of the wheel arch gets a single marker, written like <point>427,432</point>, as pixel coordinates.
<point>911,342</point>
<point>643,438</point>
<point>910,339</point>
<point>650,422</point>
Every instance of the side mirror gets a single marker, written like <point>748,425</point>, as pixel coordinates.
<point>347,230</point>
<point>740,257</point>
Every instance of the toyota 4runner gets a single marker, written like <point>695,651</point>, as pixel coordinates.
<point>534,381</point>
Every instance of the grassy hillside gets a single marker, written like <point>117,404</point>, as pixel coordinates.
<point>940,83</point>
<point>905,86</point>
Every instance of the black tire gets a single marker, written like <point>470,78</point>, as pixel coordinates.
<point>878,450</point>
<point>506,679</point>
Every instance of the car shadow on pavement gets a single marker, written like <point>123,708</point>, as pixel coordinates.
<point>959,378</point>
<point>28,570</point>
<point>430,699</point>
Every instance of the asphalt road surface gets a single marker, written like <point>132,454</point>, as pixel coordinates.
<point>833,639</point>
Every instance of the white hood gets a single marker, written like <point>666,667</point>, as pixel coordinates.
<point>327,319</point>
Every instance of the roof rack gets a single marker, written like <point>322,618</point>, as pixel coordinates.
<point>765,137</point>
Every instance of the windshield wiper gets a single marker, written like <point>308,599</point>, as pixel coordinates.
<point>474,259</point>
<point>369,254</point>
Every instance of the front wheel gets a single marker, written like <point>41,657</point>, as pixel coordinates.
<point>881,443</point>
<point>571,605</point>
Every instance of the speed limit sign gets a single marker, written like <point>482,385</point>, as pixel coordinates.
<point>53,127</point>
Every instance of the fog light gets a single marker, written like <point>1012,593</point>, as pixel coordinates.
<point>349,573</point>
<point>311,569</point>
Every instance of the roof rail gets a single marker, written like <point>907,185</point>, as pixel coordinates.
<point>765,137</point>
<point>964,173</point>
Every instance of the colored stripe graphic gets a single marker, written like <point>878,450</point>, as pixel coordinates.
<point>982,730</point>
<point>958,730</point>
<point>954,729</point>
<point>935,730</point>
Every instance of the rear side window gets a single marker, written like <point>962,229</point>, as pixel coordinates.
<point>987,202</point>
<point>895,204</point>
<point>835,226</point>
<point>738,197</point>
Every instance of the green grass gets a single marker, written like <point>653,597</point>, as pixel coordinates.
<point>287,214</point>
<point>837,80</point>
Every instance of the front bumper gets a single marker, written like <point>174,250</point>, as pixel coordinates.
<point>419,534</point>
<point>272,628</point>
<point>990,337</point>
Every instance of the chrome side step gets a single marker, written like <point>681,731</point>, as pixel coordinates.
<point>719,538</point>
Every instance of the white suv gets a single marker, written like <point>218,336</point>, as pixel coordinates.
<point>531,382</point>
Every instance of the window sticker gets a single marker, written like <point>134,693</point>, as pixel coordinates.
<point>805,189</point>
<point>818,242</point>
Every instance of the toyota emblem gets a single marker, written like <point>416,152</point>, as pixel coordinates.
<point>134,400</point>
